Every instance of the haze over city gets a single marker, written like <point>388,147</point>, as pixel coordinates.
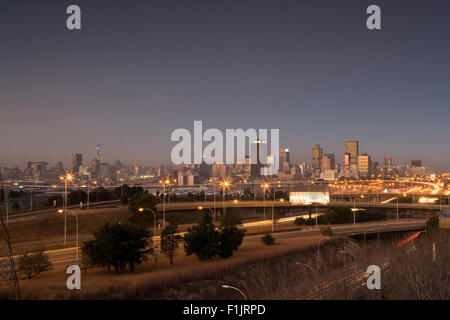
<point>135,72</point>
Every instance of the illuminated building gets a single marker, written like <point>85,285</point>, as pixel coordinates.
<point>77,161</point>
<point>316,157</point>
<point>352,148</point>
<point>364,164</point>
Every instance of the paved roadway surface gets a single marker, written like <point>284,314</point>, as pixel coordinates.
<point>63,257</point>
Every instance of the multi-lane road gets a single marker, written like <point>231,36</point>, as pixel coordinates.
<point>62,257</point>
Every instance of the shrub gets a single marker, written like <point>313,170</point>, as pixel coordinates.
<point>326,231</point>
<point>300,221</point>
<point>33,264</point>
<point>268,240</point>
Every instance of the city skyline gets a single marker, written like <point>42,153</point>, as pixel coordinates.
<point>134,74</point>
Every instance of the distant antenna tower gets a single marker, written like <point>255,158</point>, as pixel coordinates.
<point>98,151</point>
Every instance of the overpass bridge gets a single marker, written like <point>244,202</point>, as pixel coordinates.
<point>194,205</point>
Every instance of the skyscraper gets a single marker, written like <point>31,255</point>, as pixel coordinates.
<point>347,160</point>
<point>388,161</point>
<point>352,147</point>
<point>316,157</point>
<point>364,164</point>
<point>258,149</point>
<point>284,160</point>
<point>328,162</point>
<point>416,163</point>
<point>77,161</point>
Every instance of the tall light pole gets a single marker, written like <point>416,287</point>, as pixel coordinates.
<point>154,218</point>
<point>265,186</point>
<point>225,184</point>
<point>318,250</point>
<point>234,288</point>
<point>167,181</point>
<point>67,177</point>
<point>76,218</point>
<point>212,212</point>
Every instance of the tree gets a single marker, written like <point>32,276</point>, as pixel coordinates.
<point>230,237</point>
<point>268,240</point>
<point>118,245</point>
<point>33,264</point>
<point>432,224</point>
<point>202,240</point>
<point>170,240</point>
<point>338,215</point>
<point>77,196</point>
<point>148,201</point>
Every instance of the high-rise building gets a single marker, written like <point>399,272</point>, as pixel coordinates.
<point>284,165</point>
<point>388,161</point>
<point>347,160</point>
<point>77,161</point>
<point>364,164</point>
<point>416,163</point>
<point>59,167</point>
<point>352,147</point>
<point>97,148</point>
<point>258,149</point>
<point>316,157</point>
<point>328,162</point>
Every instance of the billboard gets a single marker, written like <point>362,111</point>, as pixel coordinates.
<point>309,197</point>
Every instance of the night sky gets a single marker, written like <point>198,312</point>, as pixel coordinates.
<point>140,69</point>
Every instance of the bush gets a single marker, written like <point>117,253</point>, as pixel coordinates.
<point>33,264</point>
<point>300,221</point>
<point>338,215</point>
<point>432,224</point>
<point>268,240</point>
<point>326,231</point>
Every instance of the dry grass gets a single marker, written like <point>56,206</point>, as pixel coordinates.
<point>151,282</point>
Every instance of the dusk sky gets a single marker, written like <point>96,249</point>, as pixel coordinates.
<point>140,69</point>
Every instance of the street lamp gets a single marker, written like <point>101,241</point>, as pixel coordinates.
<point>154,216</point>
<point>67,177</point>
<point>234,288</point>
<point>354,259</point>
<point>212,212</point>
<point>225,184</point>
<point>265,186</point>
<point>60,211</point>
<point>312,269</point>
<point>318,250</point>
<point>167,181</point>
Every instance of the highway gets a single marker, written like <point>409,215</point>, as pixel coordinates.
<point>178,206</point>
<point>62,257</point>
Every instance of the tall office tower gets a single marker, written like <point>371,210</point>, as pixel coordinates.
<point>364,164</point>
<point>284,164</point>
<point>95,166</point>
<point>77,161</point>
<point>352,148</point>
<point>97,147</point>
<point>328,162</point>
<point>416,163</point>
<point>388,161</point>
<point>347,160</point>
<point>316,157</point>
<point>59,167</point>
<point>258,151</point>
<point>205,170</point>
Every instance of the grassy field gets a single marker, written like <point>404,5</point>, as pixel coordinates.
<point>150,280</point>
